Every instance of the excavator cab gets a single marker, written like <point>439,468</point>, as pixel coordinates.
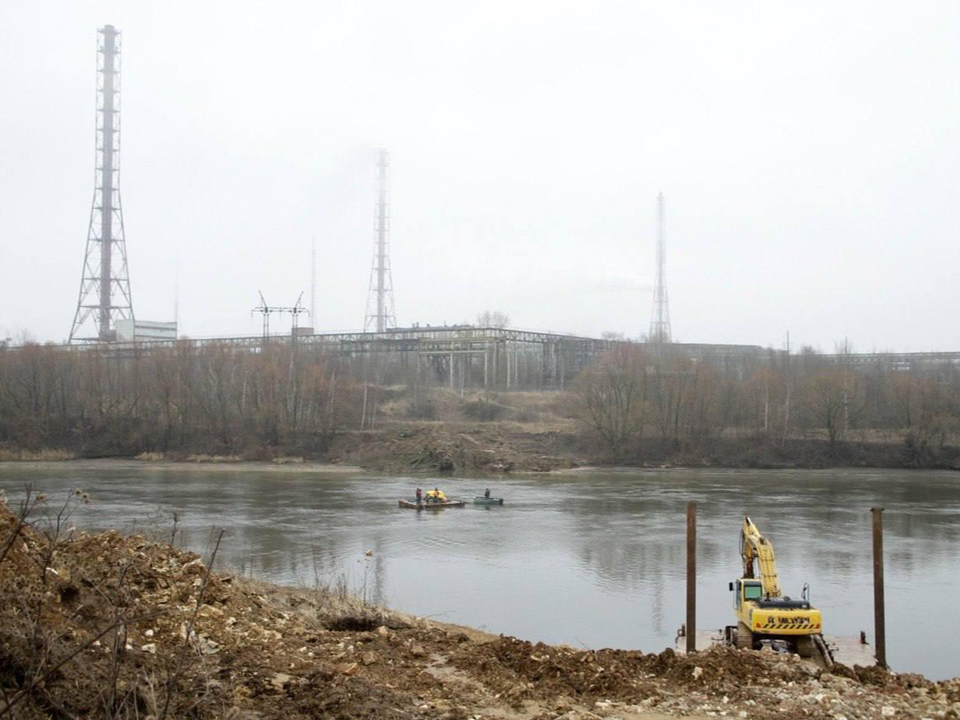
<point>744,590</point>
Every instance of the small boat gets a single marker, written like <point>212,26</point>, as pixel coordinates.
<point>483,500</point>
<point>413,505</point>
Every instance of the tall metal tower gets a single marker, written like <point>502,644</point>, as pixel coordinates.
<point>380,314</point>
<point>660,324</point>
<point>105,285</point>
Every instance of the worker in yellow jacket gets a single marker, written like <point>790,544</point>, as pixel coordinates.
<point>435,495</point>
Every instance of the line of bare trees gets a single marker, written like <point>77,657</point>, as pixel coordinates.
<point>224,400</point>
<point>636,392</point>
<point>210,399</point>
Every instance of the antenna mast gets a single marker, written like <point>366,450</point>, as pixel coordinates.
<point>105,284</point>
<point>313,277</point>
<point>380,314</point>
<point>660,325</point>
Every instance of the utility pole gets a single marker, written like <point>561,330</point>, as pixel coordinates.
<point>380,313</point>
<point>660,325</point>
<point>691,626</point>
<point>295,311</point>
<point>264,310</point>
<point>176,294</point>
<point>879,610</point>
<point>105,284</point>
<point>786,404</point>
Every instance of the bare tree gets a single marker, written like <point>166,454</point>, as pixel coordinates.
<point>672,394</point>
<point>611,397</point>
<point>493,319</point>
<point>825,400</point>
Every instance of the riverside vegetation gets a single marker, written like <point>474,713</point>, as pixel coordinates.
<point>634,406</point>
<point>113,626</point>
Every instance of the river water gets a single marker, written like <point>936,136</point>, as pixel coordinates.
<point>592,559</point>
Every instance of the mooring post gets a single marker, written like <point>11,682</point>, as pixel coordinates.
<point>691,577</point>
<point>879,625</point>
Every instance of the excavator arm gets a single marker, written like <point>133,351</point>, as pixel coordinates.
<point>754,547</point>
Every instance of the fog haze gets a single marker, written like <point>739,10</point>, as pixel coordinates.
<point>809,155</point>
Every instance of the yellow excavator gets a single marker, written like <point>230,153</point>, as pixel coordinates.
<point>766,617</point>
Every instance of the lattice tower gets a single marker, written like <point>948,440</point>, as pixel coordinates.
<point>380,313</point>
<point>105,285</point>
<point>660,324</point>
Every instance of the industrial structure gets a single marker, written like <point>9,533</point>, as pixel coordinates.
<point>660,324</point>
<point>294,311</point>
<point>380,315</point>
<point>104,294</point>
<point>460,356</point>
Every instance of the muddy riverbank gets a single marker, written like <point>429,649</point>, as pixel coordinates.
<point>498,448</point>
<point>515,447</point>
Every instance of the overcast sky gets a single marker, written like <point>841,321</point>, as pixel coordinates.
<point>809,154</point>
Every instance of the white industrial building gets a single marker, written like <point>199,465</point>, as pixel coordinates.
<point>145,330</point>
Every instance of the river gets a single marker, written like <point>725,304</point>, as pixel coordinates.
<point>591,559</point>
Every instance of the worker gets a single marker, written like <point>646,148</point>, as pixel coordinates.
<point>486,493</point>
<point>419,496</point>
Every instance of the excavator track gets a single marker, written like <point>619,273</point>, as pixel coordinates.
<point>805,646</point>
<point>744,637</point>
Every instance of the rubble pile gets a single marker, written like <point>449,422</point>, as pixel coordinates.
<point>110,625</point>
<point>721,682</point>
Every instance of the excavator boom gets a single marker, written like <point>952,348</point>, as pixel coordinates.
<point>754,547</point>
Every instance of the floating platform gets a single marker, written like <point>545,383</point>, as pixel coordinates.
<point>413,505</point>
<point>848,651</point>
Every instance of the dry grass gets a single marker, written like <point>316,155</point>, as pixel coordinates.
<point>150,456</point>
<point>52,455</point>
<point>288,460</point>
<point>334,608</point>
<point>201,458</point>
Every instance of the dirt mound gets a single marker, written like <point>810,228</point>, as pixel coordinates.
<point>105,623</point>
<point>522,670</point>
